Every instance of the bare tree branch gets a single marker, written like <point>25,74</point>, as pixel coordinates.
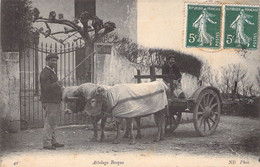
<point>89,24</point>
<point>232,75</point>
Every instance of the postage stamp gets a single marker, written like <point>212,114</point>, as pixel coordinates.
<point>241,27</point>
<point>203,26</point>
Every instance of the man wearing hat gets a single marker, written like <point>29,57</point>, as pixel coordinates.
<point>172,76</point>
<point>51,94</point>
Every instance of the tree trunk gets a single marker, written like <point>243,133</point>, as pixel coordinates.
<point>89,63</point>
<point>234,91</point>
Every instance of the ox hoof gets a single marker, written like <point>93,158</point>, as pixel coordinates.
<point>102,139</point>
<point>94,139</point>
<point>132,142</point>
<point>125,136</point>
<point>138,136</point>
<point>116,141</point>
<point>156,140</point>
<point>162,139</point>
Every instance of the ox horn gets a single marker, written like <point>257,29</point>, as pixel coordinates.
<point>100,90</point>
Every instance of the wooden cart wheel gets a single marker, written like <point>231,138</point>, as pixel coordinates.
<point>206,112</point>
<point>172,121</point>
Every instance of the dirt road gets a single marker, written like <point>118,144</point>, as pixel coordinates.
<point>235,136</point>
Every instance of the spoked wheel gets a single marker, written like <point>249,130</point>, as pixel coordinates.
<point>172,121</point>
<point>206,113</point>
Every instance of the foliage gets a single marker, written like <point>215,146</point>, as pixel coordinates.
<point>247,88</point>
<point>16,24</point>
<point>153,56</point>
<point>229,75</point>
<point>207,76</point>
<point>236,74</point>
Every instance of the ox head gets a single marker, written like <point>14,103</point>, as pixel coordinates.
<point>87,97</point>
<point>96,102</point>
<point>74,100</point>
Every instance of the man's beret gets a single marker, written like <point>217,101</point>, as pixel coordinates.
<point>51,55</point>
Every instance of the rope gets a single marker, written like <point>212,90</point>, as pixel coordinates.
<point>80,64</point>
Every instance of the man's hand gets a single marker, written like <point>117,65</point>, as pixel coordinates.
<point>60,84</point>
<point>175,82</point>
<point>62,88</point>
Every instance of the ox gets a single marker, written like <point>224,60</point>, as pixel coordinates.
<point>80,99</point>
<point>131,101</point>
<point>79,95</point>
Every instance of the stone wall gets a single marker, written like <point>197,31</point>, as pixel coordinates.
<point>111,69</point>
<point>9,92</point>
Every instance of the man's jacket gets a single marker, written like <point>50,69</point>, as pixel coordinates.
<point>51,92</point>
<point>170,73</point>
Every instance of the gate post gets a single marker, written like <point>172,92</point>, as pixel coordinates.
<point>9,90</point>
<point>102,62</point>
<point>36,60</point>
<point>152,73</point>
<point>138,74</point>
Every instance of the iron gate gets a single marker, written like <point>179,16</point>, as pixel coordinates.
<point>32,61</point>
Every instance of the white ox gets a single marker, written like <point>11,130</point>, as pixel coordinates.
<point>131,101</point>
<point>78,97</point>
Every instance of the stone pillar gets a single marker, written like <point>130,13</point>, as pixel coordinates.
<point>9,91</point>
<point>101,64</point>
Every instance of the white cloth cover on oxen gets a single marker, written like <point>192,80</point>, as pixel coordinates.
<point>131,100</point>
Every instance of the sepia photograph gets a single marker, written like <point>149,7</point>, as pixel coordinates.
<point>156,83</point>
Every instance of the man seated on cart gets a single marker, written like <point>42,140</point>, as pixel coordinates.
<point>172,77</point>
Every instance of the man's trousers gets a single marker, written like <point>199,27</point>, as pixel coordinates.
<point>50,123</point>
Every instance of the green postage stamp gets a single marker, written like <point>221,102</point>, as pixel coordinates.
<point>241,27</point>
<point>203,26</point>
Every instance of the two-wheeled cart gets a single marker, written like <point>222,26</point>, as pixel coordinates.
<point>205,104</point>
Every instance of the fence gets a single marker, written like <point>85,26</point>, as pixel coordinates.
<point>32,61</point>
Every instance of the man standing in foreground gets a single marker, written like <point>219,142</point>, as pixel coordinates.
<point>51,94</point>
<point>172,76</point>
